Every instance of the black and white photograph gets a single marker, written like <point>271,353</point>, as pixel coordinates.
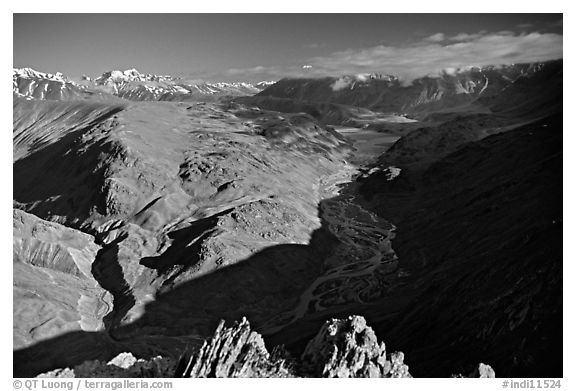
<point>287,195</point>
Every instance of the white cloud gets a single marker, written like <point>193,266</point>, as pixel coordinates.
<point>427,57</point>
<point>438,37</point>
<point>253,70</point>
<point>466,36</point>
<point>340,84</point>
<point>346,81</point>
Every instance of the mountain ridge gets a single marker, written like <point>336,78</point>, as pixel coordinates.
<point>390,95</point>
<point>253,206</point>
<point>129,84</point>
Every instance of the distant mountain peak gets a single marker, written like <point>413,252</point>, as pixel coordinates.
<point>128,75</point>
<point>30,73</point>
<point>29,84</point>
<point>129,84</point>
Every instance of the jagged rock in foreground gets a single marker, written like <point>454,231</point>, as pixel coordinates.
<point>233,352</point>
<point>349,348</point>
<point>125,365</point>
<point>483,370</point>
<point>342,348</point>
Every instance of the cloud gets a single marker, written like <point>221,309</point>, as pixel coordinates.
<point>438,37</point>
<point>345,81</point>
<point>340,84</point>
<point>250,71</point>
<point>427,57</point>
<point>505,32</point>
<point>466,36</point>
<point>424,57</point>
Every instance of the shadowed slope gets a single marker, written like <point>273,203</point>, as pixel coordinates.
<point>481,238</point>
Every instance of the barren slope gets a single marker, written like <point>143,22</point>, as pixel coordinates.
<point>140,225</point>
<point>54,290</point>
<point>171,193</point>
<point>480,239</point>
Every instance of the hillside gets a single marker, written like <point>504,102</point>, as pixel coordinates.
<point>149,209</point>
<point>167,192</point>
<point>516,105</point>
<point>480,237</point>
<point>388,94</point>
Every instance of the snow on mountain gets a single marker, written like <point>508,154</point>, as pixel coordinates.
<point>264,84</point>
<point>30,73</point>
<point>452,87</point>
<point>128,84</point>
<point>31,84</point>
<point>129,75</point>
<point>133,85</point>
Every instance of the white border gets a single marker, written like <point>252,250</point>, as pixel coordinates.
<point>303,6</point>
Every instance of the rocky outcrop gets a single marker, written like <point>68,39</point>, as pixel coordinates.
<point>349,348</point>
<point>342,348</point>
<point>233,352</point>
<point>483,371</point>
<point>124,365</point>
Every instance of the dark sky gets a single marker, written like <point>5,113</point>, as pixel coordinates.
<point>252,46</point>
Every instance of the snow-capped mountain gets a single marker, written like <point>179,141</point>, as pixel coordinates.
<point>128,84</point>
<point>31,73</point>
<point>31,84</point>
<point>118,78</point>
<point>450,88</point>
<point>133,85</point>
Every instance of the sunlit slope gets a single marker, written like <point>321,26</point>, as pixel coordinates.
<point>172,193</point>
<point>54,290</point>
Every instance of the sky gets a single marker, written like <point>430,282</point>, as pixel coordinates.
<point>254,47</point>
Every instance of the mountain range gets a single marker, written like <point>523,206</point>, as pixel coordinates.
<point>148,209</point>
<point>129,84</point>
